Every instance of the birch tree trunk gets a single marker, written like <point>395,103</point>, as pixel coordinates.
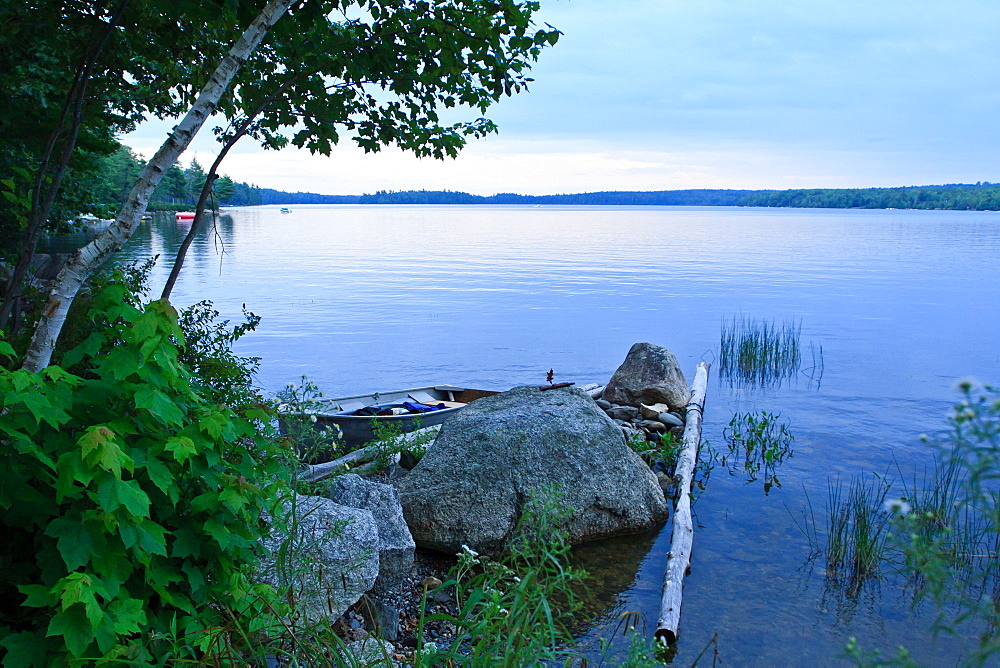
<point>86,260</point>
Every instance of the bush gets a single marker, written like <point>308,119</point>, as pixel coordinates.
<point>130,500</point>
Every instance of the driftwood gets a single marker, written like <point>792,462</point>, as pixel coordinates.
<point>554,386</point>
<point>315,472</point>
<point>679,557</point>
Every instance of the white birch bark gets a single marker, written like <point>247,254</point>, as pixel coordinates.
<point>86,260</point>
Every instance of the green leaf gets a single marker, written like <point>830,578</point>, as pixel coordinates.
<point>99,448</point>
<point>23,649</point>
<point>160,475</point>
<point>186,544</point>
<point>128,615</point>
<point>113,494</point>
<point>73,541</point>
<point>71,470</point>
<point>159,405</point>
<point>74,627</point>
<point>82,589</point>
<point>182,448</point>
<point>38,596</point>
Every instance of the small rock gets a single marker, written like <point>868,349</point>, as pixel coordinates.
<point>650,412</point>
<point>677,432</point>
<point>653,425</point>
<point>623,413</point>
<point>604,405</point>
<point>670,420</point>
<point>357,634</point>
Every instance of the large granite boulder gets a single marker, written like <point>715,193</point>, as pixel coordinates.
<point>650,374</point>
<point>487,461</point>
<point>396,546</point>
<point>323,554</point>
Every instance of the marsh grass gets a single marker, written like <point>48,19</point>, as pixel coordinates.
<point>760,353</point>
<point>854,534</point>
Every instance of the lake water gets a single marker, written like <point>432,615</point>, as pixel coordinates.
<point>902,303</point>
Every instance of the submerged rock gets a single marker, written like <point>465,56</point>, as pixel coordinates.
<point>650,374</point>
<point>487,461</point>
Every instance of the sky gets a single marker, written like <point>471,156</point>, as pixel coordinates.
<point>671,94</point>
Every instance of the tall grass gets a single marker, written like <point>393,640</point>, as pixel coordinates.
<point>759,353</point>
<point>857,528</point>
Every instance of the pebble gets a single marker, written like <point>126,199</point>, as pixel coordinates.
<point>605,405</point>
<point>653,425</point>
<point>670,420</point>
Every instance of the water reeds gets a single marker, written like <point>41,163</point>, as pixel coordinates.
<point>759,353</point>
<point>857,530</point>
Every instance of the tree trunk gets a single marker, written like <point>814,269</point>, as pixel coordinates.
<point>210,183</point>
<point>679,557</point>
<point>45,189</point>
<point>86,260</point>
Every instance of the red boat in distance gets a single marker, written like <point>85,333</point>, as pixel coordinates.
<point>185,216</point>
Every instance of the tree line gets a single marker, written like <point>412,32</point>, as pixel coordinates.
<point>983,196</point>
<point>180,188</point>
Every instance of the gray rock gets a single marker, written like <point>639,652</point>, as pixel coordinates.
<point>653,425</point>
<point>381,618</point>
<point>370,652</point>
<point>604,405</point>
<point>650,374</point>
<point>670,420</point>
<point>624,413</point>
<point>471,486</point>
<point>396,546</point>
<point>325,558</point>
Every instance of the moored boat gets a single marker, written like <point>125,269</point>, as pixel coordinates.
<point>401,410</point>
<point>185,216</point>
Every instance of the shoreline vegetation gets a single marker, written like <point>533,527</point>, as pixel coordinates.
<point>181,186</point>
<point>982,196</point>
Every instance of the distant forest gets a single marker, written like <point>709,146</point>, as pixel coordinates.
<point>981,196</point>
<point>180,186</point>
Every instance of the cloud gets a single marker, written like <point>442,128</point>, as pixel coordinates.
<point>652,94</point>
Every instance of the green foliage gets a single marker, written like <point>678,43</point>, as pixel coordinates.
<point>220,375</point>
<point>131,502</point>
<point>758,441</point>
<point>508,615</point>
<point>298,406</point>
<point>950,530</point>
<point>661,454</point>
<point>979,196</point>
<point>391,441</point>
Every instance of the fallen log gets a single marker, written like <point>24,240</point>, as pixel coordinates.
<point>314,472</point>
<point>682,539</point>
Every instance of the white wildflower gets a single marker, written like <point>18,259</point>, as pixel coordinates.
<point>898,506</point>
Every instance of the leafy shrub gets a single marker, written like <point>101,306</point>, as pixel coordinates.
<point>130,501</point>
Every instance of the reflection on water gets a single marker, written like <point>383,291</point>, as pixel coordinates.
<point>374,298</point>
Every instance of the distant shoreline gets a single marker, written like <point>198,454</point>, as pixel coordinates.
<point>983,196</point>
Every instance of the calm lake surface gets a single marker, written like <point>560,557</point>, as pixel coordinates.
<point>902,303</point>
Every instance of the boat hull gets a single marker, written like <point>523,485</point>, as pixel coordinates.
<point>360,429</point>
